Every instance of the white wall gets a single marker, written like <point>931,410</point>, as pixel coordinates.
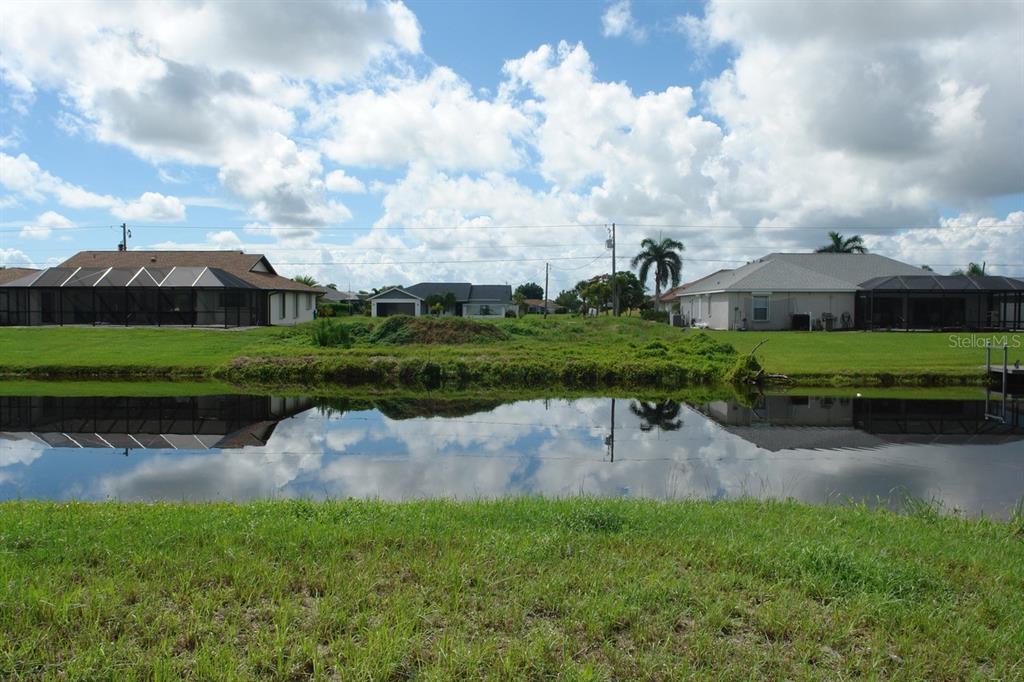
<point>710,310</point>
<point>782,305</point>
<point>306,303</point>
<point>722,312</point>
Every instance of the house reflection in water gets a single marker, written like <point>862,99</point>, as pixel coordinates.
<point>791,422</point>
<point>129,423</point>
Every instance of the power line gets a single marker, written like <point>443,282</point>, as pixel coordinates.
<point>670,226</point>
<point>325,228</point>
<point>440,262</point>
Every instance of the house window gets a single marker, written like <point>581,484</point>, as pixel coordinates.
<point>295,306</point>
<point>284,309</point>
<point>309,301</point>
<point>760,308</point>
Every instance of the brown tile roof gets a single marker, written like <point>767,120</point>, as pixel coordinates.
<point>235,262</point>
<point>11,274</point>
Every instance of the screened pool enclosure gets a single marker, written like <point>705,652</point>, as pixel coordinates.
<point>168,296</point>
<point>941,302</point>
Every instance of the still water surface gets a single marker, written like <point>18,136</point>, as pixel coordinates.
<point>816,449</point>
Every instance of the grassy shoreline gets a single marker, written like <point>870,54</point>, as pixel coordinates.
<point>561,352</point>
<point>515,589</point>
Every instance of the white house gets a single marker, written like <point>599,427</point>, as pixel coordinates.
<point>787,291</point>
<point>470,300</point>
<point>158,288</point>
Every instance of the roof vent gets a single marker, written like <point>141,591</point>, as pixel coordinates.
<point>152,259</point>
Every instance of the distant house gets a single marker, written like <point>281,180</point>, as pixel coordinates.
<point>536,305</point>
<point>848,291</point>
<point>328,295</point>
<point>158,288</point>
<point>334,296</point>
<point>471,300</point>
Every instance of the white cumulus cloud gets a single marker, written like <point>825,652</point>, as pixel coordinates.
<point>618,21</point>
<point>152,206</point>
<point>42,227</point>
<point>339,181</point>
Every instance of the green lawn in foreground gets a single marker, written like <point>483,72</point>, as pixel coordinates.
<point>521,589</point>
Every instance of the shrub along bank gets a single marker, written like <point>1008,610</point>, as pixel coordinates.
<point>396,352</point>
<point>560,351</point>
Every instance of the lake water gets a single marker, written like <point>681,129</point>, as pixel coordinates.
<point>967,454</point>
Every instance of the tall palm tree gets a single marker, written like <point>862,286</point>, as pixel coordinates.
<point>853,244</point>
<point>305,279</point>
<point>664,257</point>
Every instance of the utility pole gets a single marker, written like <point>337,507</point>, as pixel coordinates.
<point>615,280</point>
<point>547,270</point>
<point>609,440</point>
<point>125,233</point>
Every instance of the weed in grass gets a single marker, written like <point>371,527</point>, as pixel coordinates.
<point>402,330</point>
<point>928,510</point>
<point>329,333</point>
<point>1017,518</point>
<point>602,520</point>
<point>745,371</point>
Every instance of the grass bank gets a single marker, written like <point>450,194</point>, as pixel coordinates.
<point>869,358</point>
<point>563,352</point>
<point>520,589</point>
<point>566,352</point>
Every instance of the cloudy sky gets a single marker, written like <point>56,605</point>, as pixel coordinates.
<point>371,143</point>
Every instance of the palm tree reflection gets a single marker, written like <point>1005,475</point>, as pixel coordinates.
<point>663,415</point>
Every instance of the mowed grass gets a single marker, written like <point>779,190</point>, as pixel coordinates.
<point>821,358</point>
<point>185,349</point>
<point>208,348</point>
<point>527,589</point>
<point>809,355</point>
<point>573,352</point>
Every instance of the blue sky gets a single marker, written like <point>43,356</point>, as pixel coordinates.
<point>379,143</point>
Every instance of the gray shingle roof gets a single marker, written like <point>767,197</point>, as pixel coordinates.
<point>425,289</point>
<point>464,291</point>
<point>849,267</point>
<point>336,296</point>
<point>805,272</point>
<point>490,293</point>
